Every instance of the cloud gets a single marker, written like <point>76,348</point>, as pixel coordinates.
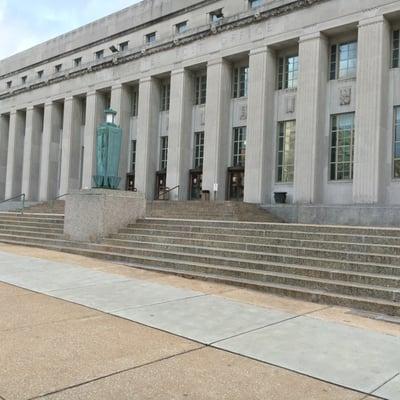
<point>25,23</point>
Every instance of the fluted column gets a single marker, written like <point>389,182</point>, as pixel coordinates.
<point>71,146</point>
<point>147,141</point>
<point>310,120</point>
<point>31,159</point>
<point>94,114</point>
<point>121,103</point>
<point>180,129</point>
<point>371,109</point>
<point>4,130</point>
<point>217,126</point>
<point>260,126</point>
<point>15,154</point>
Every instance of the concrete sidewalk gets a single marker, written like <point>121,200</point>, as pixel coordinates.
<point>326,343</point>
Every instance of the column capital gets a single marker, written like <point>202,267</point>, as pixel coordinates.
<point>68,99</point>
<point>145,79</point>
<point>30,107</point>
<point>217,61</point>
<point>178,71</point>
<point>48,103</point>
<point>91,93</point>
<point>312,36</point>
<point>116,86</point>
<point>261,50</point>
<point>377,19</point>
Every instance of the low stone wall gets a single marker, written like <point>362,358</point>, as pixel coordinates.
<point>91,215</point>
<point>338,215</point>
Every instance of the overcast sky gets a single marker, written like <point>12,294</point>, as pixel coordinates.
<point>25,23</point>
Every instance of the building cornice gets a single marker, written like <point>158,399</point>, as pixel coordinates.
<point>227,24</point>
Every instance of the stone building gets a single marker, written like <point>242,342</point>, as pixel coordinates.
<point>243,98</point>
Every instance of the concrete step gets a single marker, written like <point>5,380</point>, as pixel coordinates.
<point>32,218</point>
<point>259,244</point>
<point>267,235</point>
<point>330,285</point>
<point>35,224</point>
<point>276,283</point>
<point>259,228</point>
<point>17,229</point>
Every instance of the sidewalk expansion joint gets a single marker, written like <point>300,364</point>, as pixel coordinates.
<point>269,325</point>
<point>385,383</point>
<point>77,385</point>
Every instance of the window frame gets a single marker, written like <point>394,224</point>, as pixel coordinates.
<point>254,4</point>
<point>396,124</point>
<point>99,55</point>
<point>178,26</point>
<point>395,48</point>
<point>163,153</point>
<point>239,143</point>
<point>40,73</point>
<point>198,150</point>
<point>200,91</point>
<point>335,60</point>
<point>133,156</point>
<point>77,62</point>
<point>334,161</point>
<point>165,93</point>
<point>239,72</point>
<point>284,73</point>
<point>283,130</point>
<point>9,84</point>
<point>150,38</point>
<point>134,102</point>
<point>216,16</point>
<point>123,46</point>
<point>58,68</point>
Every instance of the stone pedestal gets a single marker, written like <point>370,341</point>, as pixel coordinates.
<point>91,215</point>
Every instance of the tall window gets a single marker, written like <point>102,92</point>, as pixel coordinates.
<point>342,147</point>
<point>123,46</point>
<point>198,149</point>
<point>240,81</point>
<point>164,153</point>
<point>396,49</point>
<point>133,155</point>
<point>285,156</point>
<point>165,96</point>
<point>134,100</point>
<point>239,147</point>
<point>343,63</point>
<point>99,54</point>
<point>288,72</point>
<point>397,142</point>
<point>151,38</point>
<point>201,90</point>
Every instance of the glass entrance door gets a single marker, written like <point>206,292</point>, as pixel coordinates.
<point>196,182</point>
<point>161,180</point>
<point>130,183</point>
<point>236,184</point>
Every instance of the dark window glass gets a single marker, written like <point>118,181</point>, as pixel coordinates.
<point>133,155</point>
<point>342,147</point>
<point>164,153</point>
<point>285,156</point>
<point>239,147</point>
<point>240,82</point>
<point>395,49</point>
<point>201,90</point>
<point>198,149</point>
<point>396,146</point>
<point>165,96</point>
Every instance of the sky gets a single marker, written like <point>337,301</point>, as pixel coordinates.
<point>25,23</point>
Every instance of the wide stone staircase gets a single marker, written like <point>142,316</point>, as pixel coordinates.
<point>355,267</point>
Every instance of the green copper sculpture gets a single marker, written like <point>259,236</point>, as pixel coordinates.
<point>108,150</point>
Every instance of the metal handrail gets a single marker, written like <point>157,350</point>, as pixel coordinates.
<point>56,198</point>
<point>168,191</point>
<point>20,196</point>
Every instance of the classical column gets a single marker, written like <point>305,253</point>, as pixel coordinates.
<point>46,138</point>
<point>260,126</point>
<point>147,141</point>
<point>371,109</point>
<point>71,146</point>
<point>217,126</point>
<point>121,103</point>
<point>15,154</point>
<point>180,129</point>
<point>4,129</point>
<point>310,120</point>
<point>31,158</point>
<point>94,113</point>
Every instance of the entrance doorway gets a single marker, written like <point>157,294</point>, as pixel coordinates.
<point>161,181</point>
<point>130,183</point>
<point>196,184</point>
<point>235,184</point>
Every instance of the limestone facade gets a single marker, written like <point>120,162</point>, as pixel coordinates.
<point>241,98</point>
